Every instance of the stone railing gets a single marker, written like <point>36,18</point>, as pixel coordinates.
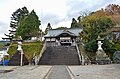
<point>41,52</point>
<point>84,56</point>
<point>79,54</point>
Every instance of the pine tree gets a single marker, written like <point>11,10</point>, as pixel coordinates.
<point>74,23</point>
<point>29,26</point>
<point>48,28</point>
<point>16,17</point>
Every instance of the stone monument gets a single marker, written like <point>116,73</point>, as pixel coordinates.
<point>101,57</point>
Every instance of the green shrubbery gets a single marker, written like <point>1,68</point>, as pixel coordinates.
<point>29,49</point>
<point>91,46</point>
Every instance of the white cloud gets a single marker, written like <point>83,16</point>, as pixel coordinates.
<point>42,8</point>
<point>57,12</point>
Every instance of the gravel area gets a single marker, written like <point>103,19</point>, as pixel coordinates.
<point>96,71</point>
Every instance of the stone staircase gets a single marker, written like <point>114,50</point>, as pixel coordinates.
<point>59,55</point>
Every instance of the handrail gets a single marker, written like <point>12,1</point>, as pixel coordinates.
<point>79,55</point>
<point>41,52</point>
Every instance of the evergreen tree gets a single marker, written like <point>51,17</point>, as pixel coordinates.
<point>48,28</point>
<point>29,26</point>
<point>16,17</point>
<point>74,23</point>
<point>61,27</point>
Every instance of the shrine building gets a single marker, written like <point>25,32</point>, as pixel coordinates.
<point>63,37</point>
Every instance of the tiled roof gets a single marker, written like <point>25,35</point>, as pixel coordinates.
<point>55,32</point>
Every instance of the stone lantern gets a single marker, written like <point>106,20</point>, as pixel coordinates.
<point>21,50</point>
<point>101,57</point>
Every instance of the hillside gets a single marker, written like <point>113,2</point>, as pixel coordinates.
<point>29,49</point>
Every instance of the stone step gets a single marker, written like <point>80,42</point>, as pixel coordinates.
<point>60,55</point>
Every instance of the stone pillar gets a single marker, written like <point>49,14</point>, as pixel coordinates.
<point>58,42</point>
<point>74,42</point>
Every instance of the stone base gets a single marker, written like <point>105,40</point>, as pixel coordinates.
<point>103,62</point>
<point>102,58</point>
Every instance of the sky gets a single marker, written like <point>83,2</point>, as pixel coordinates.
<point>56,12</point>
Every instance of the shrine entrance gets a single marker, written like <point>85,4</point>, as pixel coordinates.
<point>66,38</point>
<point>65,41</point>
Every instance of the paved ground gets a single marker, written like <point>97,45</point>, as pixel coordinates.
<point>60,72</point>
<point>8,67</point>
<point>26,72</point>
<point>96,71</point>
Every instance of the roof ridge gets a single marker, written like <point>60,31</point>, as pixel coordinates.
<point>65,28</point>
